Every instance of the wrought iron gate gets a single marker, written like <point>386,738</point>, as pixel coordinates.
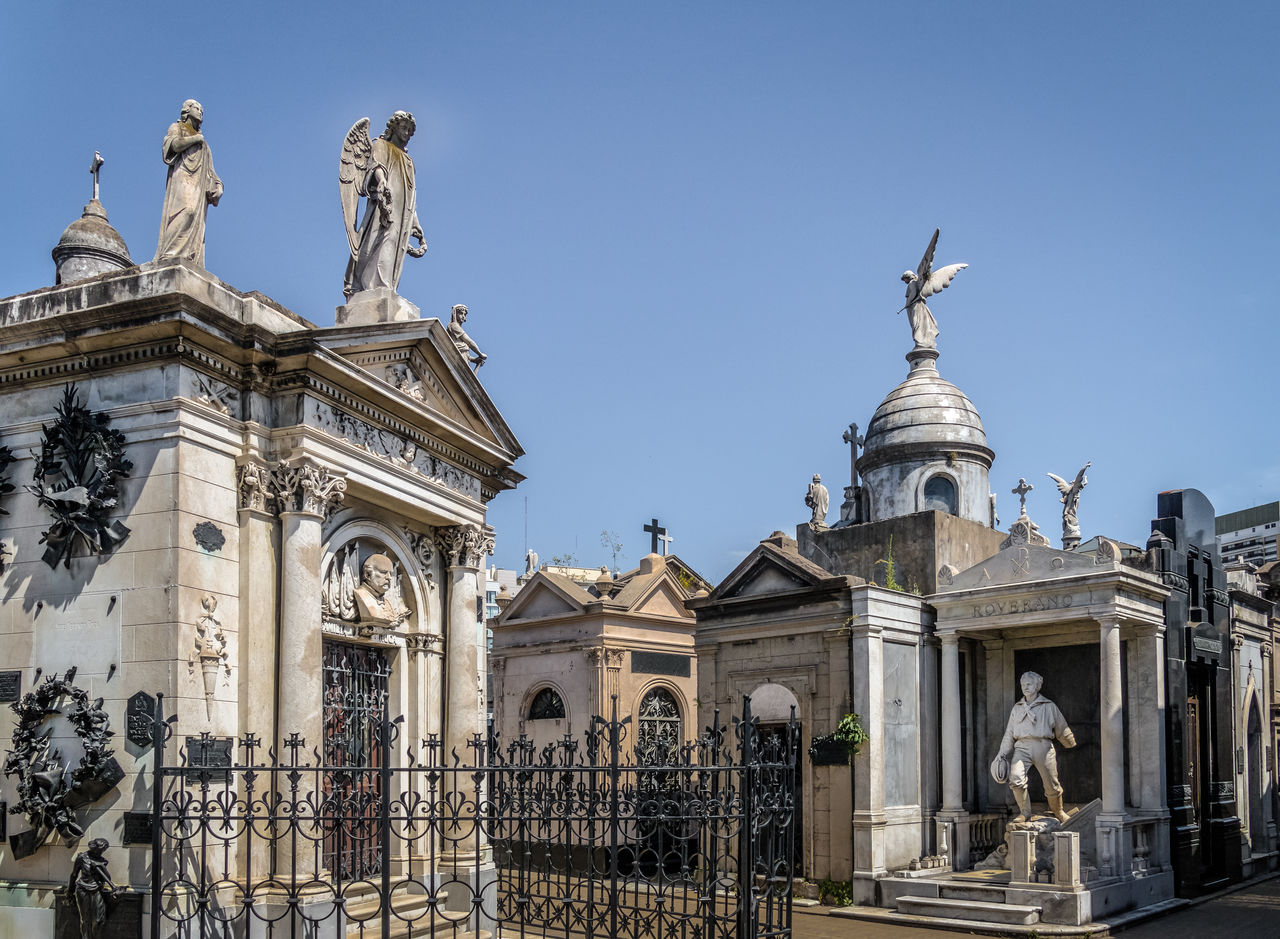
<point>355,706</point>
<point>573,839</point>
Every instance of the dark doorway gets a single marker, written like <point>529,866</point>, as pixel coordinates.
<point>771,742</point>
<point>355,706</point>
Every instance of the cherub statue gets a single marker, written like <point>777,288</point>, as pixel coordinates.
<point>382,171</point>
<point>1070,504</point>
<point>923,283</point>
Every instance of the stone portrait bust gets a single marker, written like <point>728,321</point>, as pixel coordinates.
<point>376,603</point>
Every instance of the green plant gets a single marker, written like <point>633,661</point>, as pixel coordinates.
<point>836,892</point>
<point>890,570</point>
<point>849,732</point>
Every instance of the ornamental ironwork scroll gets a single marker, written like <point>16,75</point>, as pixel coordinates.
<point>571,838</point>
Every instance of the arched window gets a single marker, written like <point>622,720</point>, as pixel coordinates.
<point>546,706</point>
<point>940,495</point>
<point>658,735</point>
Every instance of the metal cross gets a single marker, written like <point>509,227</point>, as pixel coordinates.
<point>1021,491</point>
<point>666,543</point>
<point>654,529</point>
<point>97,165</point>
<point>851,437</point>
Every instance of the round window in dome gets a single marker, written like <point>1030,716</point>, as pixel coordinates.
<point>940,495</point>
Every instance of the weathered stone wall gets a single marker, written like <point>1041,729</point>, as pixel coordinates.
<point>921,543</point>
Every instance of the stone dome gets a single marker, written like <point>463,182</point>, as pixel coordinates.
<point>925,448</point>
<point>89,247</point>
<point>924,409</point>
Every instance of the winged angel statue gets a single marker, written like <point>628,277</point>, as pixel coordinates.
<point>382,171</point>
<point>922,283</point>
<point>1071,505</point>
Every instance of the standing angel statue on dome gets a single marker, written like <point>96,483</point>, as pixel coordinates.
<point>923,283</point>
<point>381,171</point>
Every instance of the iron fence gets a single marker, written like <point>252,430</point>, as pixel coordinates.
<point>584,837</point>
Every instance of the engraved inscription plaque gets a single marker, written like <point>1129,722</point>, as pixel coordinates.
<point>10,685</point>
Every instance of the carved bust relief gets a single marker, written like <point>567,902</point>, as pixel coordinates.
<point>364,592</point>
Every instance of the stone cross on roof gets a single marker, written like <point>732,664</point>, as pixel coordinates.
<point>93,170</point>
<point>855,440</point>
<point>666,544</point>
<point>657,531</point>
<point>1021,491</point>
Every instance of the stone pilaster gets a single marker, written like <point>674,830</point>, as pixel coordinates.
<point>952,818</point>
<point>259,571</point>
<point>868,766</point>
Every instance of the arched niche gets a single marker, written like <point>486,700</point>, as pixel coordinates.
<point>772,704</point>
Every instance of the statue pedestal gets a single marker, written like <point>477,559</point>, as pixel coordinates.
<point>379,305</point>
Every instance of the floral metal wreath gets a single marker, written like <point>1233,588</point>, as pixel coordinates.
<point>80,461</point>
<point>6,487</point>
<point>47,794</point>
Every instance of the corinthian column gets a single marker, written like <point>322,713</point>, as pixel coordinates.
<point>305,492</point>
<point>466,862</point>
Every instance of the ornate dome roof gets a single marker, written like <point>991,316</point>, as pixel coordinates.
<point>92,244</point>
<point>924,412</point>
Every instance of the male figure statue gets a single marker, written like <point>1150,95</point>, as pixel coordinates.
<point>461,341</point>
<point>374,600</point>
<point>382,171</point>
<point>817,499</point>
<point>191,188</point>
<point>1028,739</point>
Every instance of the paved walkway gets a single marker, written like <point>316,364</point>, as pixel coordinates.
<point>1253,913</point>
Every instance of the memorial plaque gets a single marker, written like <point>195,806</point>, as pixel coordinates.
<point>206,756</point>
<point>79,631</point>
<point>4,820</point>
<point>139,716</point>
<point>137,828</point>
<point>10,685</point>
<point>660,663</point>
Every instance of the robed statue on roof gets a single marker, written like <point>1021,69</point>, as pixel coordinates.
<point>381,172</point>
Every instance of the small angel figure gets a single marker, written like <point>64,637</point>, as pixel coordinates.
<point>1070,504</point>
<point>382,171</point>
<point>923,283</point>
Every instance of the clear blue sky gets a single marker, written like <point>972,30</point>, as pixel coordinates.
<point>679,227</point>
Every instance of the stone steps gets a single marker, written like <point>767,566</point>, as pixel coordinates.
<point>977,911</point>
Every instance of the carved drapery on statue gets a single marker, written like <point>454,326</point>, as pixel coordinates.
<point>191,187</point>
<point>81,459</point>
<point>47,794</point>
<point>381,171</point>
<point>465,545</point>
<point>363,592</point>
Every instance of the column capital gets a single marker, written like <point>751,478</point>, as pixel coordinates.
<point>1148,630</point>
<point>465,545</point>
<point>1107,620</point>
<point>254,487</point>
<point>949,639</point>
<point>306,486</point>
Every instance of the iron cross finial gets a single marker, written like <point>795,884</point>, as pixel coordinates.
<point>1021,491</point>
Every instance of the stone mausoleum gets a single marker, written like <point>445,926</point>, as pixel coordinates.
<point>275,525</point>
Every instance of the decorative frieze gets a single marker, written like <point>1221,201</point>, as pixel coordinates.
<point>465,545</point>
<point>395,449</point>
<point>424,644</point>
<point>216,394</point>
<point>1175,581</point>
